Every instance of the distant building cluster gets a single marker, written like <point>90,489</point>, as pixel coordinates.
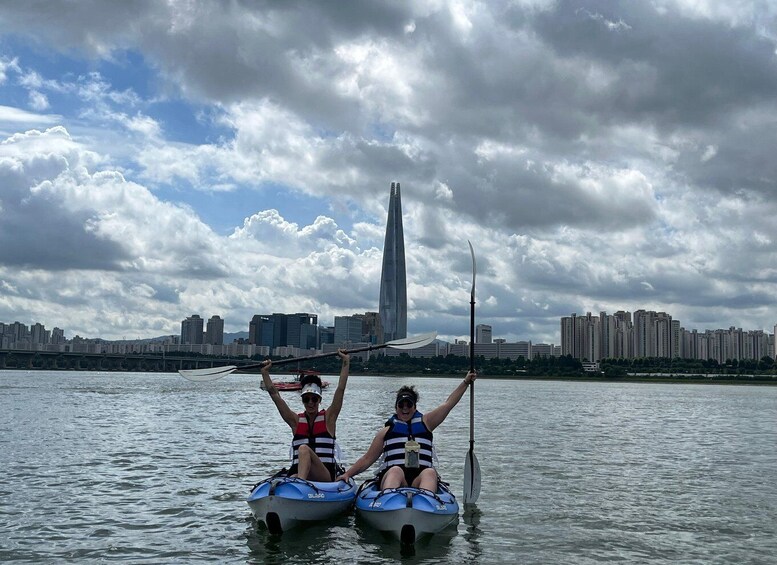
<point>275,334</point>
<point>623,335</point>
<point>655,334</point>
<point>192,333</point>
<point>21,336</point>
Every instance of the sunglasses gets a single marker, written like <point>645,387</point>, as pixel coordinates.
<point>310,398</point>
<point>405,404</point>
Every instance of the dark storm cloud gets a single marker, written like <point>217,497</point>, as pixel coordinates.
<point>36,231</point>
<point>670,69</point>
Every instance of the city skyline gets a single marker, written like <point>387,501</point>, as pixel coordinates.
<point>596,156</point>
<point>484,333</point>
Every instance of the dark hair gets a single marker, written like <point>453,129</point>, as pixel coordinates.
<point>306,379</point>
<point>408,390</point>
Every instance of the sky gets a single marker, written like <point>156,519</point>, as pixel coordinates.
<point>163,159</point>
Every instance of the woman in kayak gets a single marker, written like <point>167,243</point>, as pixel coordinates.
<point>314,428</point>
<point>405,443</point>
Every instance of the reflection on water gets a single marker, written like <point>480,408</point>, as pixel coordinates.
<point>344,539</point>
<point>471,516</point>
<point>316,543</point>
<point>152,468</point>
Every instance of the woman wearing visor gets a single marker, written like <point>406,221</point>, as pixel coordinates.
<point>313,446</point>
<point>406,442</point>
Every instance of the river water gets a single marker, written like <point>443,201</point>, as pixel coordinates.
<point>152,468</point>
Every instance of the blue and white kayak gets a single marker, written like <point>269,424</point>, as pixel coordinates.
<point>407,513</point>
<point>285,502</point>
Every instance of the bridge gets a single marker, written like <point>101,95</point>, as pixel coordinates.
<point>57,361</point>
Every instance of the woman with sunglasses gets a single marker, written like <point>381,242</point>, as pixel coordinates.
<point>405,443</point>
<point>314,448</point>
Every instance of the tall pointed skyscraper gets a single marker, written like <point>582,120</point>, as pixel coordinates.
<point>393,281</point>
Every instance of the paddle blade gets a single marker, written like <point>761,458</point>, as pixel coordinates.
<point>471,478</point>
<point>210,374</point>
<point>412,342</point>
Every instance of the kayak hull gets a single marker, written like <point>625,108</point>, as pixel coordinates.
<point>284,503</point>
<point>407,513</point>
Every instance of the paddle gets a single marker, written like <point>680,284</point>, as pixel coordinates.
<point>213,373</point>
<point>471,465</point>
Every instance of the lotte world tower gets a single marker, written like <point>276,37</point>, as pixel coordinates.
<point>393,282</point>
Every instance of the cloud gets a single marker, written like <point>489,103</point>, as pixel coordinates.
<point>38,101</point>
<point>11,117</point>
<point>7,65</point>
<point>93,220</point>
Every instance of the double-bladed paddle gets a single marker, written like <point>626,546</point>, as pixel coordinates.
<point>213,373</point>
<point>471,465</point>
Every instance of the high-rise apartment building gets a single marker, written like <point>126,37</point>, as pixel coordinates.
<point>348,329</point>
<point>214,331</point>
<point>302,330</point>
<point>482,333</point>
<point>282,330</point>
<point>393,280</point>
<point>191,330</point>
<point>57,336</point>
<point>39,334</point>
<point>371,326</point>
<point>260,330</point>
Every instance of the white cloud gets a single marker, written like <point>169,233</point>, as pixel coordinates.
<point>38,101</point>
<point>7,65</point>
<point>12,117</point>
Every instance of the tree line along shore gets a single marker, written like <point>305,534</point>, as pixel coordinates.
<point>763,371</point>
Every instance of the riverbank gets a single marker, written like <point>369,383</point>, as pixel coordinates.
<point>663,378</point>
<point>757,380</point>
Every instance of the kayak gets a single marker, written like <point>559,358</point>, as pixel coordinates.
<point>407,513</point>
<point>283,503</point>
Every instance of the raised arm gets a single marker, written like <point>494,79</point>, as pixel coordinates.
<point>370,456</point>
<point>337,400</point>
<point>288,415</point>
<point>435,417</point>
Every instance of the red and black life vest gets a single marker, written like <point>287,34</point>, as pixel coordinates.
<point>318,438</point>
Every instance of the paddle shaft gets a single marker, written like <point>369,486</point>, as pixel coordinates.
<point>471,465</point>
<point>311,357</point>
<point>472,355</point>
<point>472,384</point>
<point>472,368</point>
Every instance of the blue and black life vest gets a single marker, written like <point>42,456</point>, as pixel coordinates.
<point>399,433</point>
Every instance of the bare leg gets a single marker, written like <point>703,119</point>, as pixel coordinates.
<point>310,466</point>
<point>427,480</point>
<point>394,478</point>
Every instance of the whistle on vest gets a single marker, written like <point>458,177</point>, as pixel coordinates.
<point>412,451</point>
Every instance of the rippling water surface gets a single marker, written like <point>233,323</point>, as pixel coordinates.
<point>151,468</point>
